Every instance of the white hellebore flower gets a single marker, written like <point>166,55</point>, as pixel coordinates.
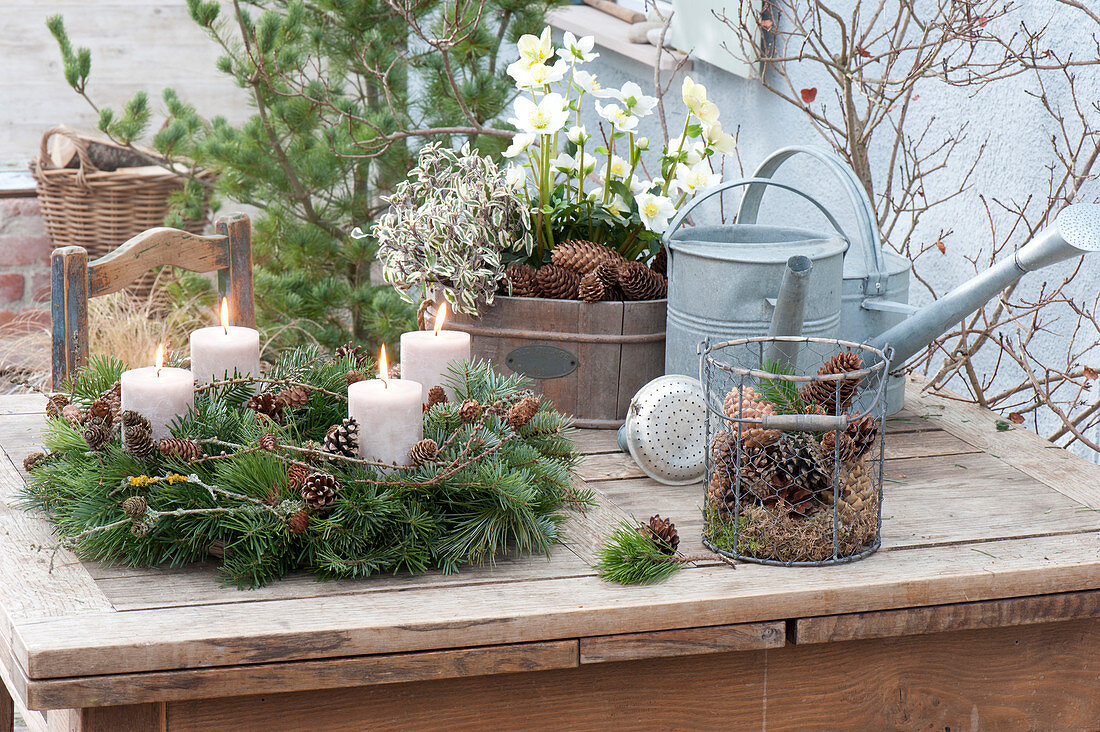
<point>578,50</point>
<point>543,118</point>
<point>655,211</point>
<point>692,151</point>
<point>721,141</point>
<point>569,164</point>
<point>642,143</point>
<point>696,178</point>
<point>578,135</point>
<point>520,142</point>
<point>516,176</point>
<point>619,169</point>
<point>619,118</point>
<point>536,76</point>
<point>695,97</point>
<point>636,103</point>
<point>637,185</point>
<point>587,83</point>
<point>535,50</point>
<point>617,205</point>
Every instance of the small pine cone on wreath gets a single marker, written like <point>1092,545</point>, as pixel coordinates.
<point>97,434</point>
<point>522,412</point>
<point>54,404</point>
<point>436,395</point>
<point>135,506</point>
<point>180,448</point>
<point>296,475</point>
<point>343,438</point>
<point>469,410</point>
<point>557,283</point>
<point>100,411</point>
<point>582,256</point>
<point>269,441</point>
<point>137,435</point>
<point>352,350</point>
<point>319,490</point>
<point>268,405</point>
<point>73,414</point>
<point>423,452</point>
<point>34,460</point>
<point>663,532</point>
<point>354,377</point>
<point>639,282</point>
<point>522,280</point>
<point>293,396</point>
<point>298,522</point>
<point>113,398</point>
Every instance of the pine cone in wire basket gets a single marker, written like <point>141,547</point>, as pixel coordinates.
<point>343,438</point>
<point>296,475</point>
<point>436,395</point>
<point>137,435</point>
<point>662,531</point>
<point>582,256</point>
<point>857,439</point>
<point>747,405</point>
<point>319,490</point>
<point>857,490</point>
<point>522,412</point>
<point>179,448</point>
<point>639,282</point>
<point>266,404</point>
<point>522,280</point>
<point>293,396</point>
<point>557,283</point>
<point>796,478</point>
<point>97,434</point>
<point>835,397</point>
<point>423,452</point>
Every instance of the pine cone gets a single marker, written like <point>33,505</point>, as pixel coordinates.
<point>795,477</point>
<point>343,438</point>
<point>269,441</point>
<point>135,506</point>
<point>834,397</point>
<point>298,522</point>
<point>113,398</point>
<point>349,349</point>
<point>423,452</point>
<point>292,396</point>
<point>296,475</point>
<point>319,490</point>
<point>354,377</point>
<point>266,404</point>
<point>639,282</point>
<point>663,532</point>
<point>746,404</point>
<point>97,434</point>
<point>54,404</point>
<point>857,490</point>
<point>754,469</point>
<point>557,282</point>
<point>100,411</point>
<point>660,263</point>
<point>607,273</point>
<point>436,395</point>
<point>582,256</point>
<point>73,414</point>
<point>469,410</point>
<point>864,434</point>
<point>591,289</point>
<point>137,435</point>
<point>180,448</point>
<point>34,460</point>
<point>523,280</point>
<point>522,412</point>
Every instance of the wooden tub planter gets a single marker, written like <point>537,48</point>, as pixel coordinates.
<point>589,359</point>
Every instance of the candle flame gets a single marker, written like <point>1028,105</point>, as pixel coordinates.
<point>440,316</point>
<point>383,365</point>
<point>225,315</point>
<point>159,358</point>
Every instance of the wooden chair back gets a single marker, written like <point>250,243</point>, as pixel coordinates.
<point>74,279</point>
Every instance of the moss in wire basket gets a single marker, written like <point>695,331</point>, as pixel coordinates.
<point>631,557</point>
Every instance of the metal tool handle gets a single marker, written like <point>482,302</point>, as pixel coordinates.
<point>759,182</point>
<point>869,240</point>
<point>804,422</point>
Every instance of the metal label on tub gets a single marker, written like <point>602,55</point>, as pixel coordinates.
<point>542,362</point>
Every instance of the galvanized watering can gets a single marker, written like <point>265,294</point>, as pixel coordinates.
<point>874,283</point>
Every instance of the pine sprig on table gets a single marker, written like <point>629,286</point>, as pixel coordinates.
<point>490,491</point>
<point>632,558</point>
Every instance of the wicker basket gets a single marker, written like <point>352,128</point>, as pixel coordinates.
<point>99,210</point>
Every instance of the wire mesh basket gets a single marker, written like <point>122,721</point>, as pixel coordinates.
<point>795,458</point>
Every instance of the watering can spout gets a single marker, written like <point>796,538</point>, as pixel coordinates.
<point>1075,231</point>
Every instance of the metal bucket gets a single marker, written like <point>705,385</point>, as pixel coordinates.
<point>722,280</point>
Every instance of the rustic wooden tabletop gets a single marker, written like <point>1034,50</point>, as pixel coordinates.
<point>990,559</point>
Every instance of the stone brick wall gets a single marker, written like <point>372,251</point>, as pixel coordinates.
<point>24,264</point>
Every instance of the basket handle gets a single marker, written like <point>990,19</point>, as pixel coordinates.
<point>804,422</point>
<point>678,219</point>
<point>870,241</point>
<point>86,164</point>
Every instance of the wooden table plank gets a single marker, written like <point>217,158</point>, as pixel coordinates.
<point>944,618</point>
<point>23,404</point>
<point>449,617</point>
<point>688,642</point>
<point>274,678</point>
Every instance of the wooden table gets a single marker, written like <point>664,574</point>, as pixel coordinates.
<point>979,612</point>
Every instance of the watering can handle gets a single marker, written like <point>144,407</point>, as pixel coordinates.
<point>870,242</point>
<point>682,214</point>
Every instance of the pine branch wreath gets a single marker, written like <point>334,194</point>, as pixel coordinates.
<point>491,489</point>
